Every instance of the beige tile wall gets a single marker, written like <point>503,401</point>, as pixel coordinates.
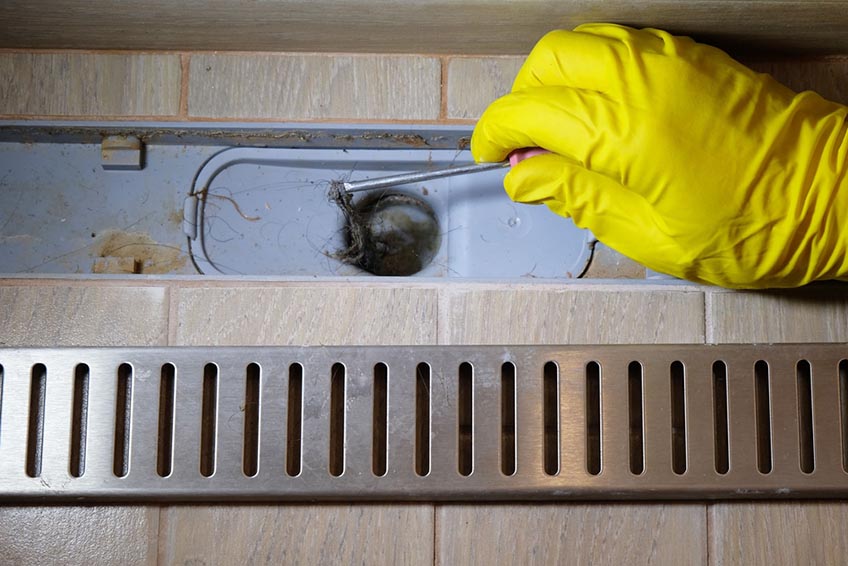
<point>294,87</point>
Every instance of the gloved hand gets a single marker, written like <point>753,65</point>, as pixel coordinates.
<point>677,156</point>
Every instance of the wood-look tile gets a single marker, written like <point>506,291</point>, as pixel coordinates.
<point>474,82</point>
<point>575,316</point>
<point>814,314</point>
<point>298,534</point>
<point>85,84</point>
<point>571,534</point>
<point>399,26</point>
<point>94,536</point>
<point>306,316</point>
<point>777,534</point>
<point>307,87</point>
<point>828,77</point>
<point>83,315</point>
<point>568,533</point>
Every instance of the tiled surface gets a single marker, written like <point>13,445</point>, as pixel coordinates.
<point>570,533</point>
<point>344,534</point>
<point>474,82</point>
<point>595,534</point>
<point>89,315</point>
<point>298,534</point>
<point>80,84</point>
<point>574,316</point>
<point>828,77</point>
<point>83,315</point>
<point>314,86</point>
<point>306,316</point>
<point>818,314</point>
<point>774,534</point>
<point>778,533</point>
<point>94,536</point>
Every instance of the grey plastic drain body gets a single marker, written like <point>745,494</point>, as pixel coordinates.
<point>424,423</point>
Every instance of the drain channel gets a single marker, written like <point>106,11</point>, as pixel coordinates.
<point>431,423</point>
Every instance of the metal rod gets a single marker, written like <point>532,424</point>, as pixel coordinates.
<point>402,179</point>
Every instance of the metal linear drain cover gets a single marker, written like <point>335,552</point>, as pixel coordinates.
<point>438,423</point>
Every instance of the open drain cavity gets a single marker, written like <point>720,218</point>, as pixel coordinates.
<point>389,233</point>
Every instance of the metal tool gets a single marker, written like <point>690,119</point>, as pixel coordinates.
<point>418,176</point>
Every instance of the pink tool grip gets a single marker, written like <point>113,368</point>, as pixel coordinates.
<point>520,155</point>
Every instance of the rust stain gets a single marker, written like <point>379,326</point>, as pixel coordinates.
<point>146,254</point>
<point>176,217</point>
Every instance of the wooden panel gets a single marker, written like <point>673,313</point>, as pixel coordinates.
<point>94,536</point>
<point>571,534</point>
<point>828,76</point>
<point>474,82</point>
<point>84,315</point>
<point>305,87</point>
<point>816,314</point>
<point>778,533</point>
<point>79,84</point>
<point>575,316</point>
<point>296,534</point>
<point>327,534</point>
<point>305,316</point>
<point>774,534</point>
<point>567,533</point>
<point>426,26</point>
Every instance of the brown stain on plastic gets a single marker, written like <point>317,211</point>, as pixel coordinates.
<point>152,256</point>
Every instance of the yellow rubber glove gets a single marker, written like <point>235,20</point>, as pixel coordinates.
<point>677,156</point>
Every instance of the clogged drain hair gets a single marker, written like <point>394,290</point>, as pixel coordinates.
<point>387,233</point>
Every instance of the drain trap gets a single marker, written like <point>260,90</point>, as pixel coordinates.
<point>397,234</point>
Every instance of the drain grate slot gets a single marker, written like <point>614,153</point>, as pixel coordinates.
<point>722,447</point>
<point>444,423</point>
<point>35,428</point>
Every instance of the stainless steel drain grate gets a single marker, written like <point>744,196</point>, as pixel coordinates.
<point>447,423</point>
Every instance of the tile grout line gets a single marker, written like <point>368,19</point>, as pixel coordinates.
<point>173,299</point>
<point>709,534</point>
<point>185,62</point>
<point>443,302</point>
<point>443,88</point>
<point>435,534</point>
<point>709,331</point>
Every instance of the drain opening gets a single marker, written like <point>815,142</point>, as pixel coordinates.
<point>678,418</point>
<point>763,416</point>
<point>550,404</point>
<point>805,416</point>
<point>843,410</point>
<point>123,416</point>
<point>379,446</point>
<point>422,419</point>
<point>390,234</point>
<point>338,377</point>
<point>252,400</point>
<point>294,415</point>
<point>208,420</point>
<point>593,418</point>
<point>465,418</point>
<point>720,422</point>
<point>79,420</point>
<point>165,449</point>
<point>636,420</point>
<point>508,446</point>
<point>35,429</point>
